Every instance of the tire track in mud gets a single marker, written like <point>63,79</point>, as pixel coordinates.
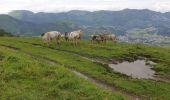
<point>97,82</point>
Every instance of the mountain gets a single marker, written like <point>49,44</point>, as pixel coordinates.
<point>22,14</point>
<point>119,22</point>
<point>16,26</point>
<point>21,27</point>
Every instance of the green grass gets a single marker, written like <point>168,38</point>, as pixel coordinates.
<point>29,78</point>
<point>118,51</point>
<point>148,88</point>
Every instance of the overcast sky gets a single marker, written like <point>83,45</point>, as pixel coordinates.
<point>91,5</point>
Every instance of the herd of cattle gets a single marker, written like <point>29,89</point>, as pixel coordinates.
<point>76,36</point>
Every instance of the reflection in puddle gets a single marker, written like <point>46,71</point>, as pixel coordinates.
<point>137,69</point>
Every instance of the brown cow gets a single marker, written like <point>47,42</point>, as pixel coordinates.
<point>103,38</point>
<point>98,38</point>
<point>109,37</point>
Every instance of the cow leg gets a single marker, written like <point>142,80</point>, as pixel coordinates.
<point>58,41</point>
<point>79,42</point>
<point>72,42</point>
<point>44,42</point>
<point>104,41</point>
<point>76,42</point>
<point>48,42</point>
<point>91,41</point>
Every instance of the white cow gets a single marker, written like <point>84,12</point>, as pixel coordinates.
<point>75,36</point>
<point>48,36</point>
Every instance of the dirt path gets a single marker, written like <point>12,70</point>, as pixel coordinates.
<point>99,83</point>
<point>87,57</point>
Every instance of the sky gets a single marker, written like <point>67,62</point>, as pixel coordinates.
<point>90,5</point>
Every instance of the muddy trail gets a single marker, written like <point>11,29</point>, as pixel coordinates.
<point>100,60</point>
<point>99,83</point>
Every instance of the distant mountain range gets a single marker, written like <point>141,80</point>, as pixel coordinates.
<point>119,22</point>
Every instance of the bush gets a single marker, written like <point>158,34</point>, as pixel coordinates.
<point>4,33</point>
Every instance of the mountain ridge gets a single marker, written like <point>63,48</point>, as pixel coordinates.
<point>119,22</point>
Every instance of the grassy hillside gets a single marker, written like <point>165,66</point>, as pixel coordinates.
<point>75,58</point>
<point>115,51</point>
<point>29,78</point>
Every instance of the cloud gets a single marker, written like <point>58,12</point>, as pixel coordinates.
<point>91,5</point>
<point>162,6</point>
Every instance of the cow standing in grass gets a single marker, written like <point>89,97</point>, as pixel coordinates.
<point>48,36</point>
<point>75,36</point>
<point>96,38</point>
<point>109,37</point>
<point>103,38</point>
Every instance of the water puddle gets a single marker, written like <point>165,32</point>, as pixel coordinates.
<point>137,69</point>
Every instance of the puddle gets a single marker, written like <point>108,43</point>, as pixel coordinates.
<point>137,69</point>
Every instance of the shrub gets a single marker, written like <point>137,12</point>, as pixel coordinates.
<point>4,33</point>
